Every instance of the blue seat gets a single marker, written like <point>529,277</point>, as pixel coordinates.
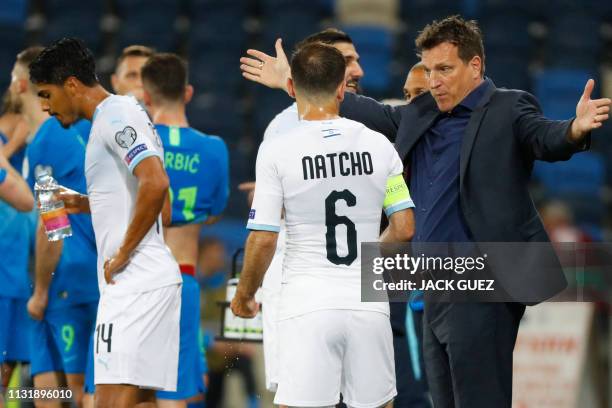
<point>149,23</point>
<point>217,32</point>
<point>86,27</point>
<point>291,26</point>
<point>507,70</point>
<point>217,114</point>
<point>212,11</point>
<point>267,104</point>
<point>583,174</point>
<point>575,40</point>
<point>13,12</point>
<point>375,47</point>
<point>217,72</point>
<point>558,91</point>
<point>422,12</point>
<point>507,31</point>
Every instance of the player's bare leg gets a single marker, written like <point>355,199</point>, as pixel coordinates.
<point>166,403</point>
<point>147,399</point>
<point>88,400</point>
<point>7,371</point>
<point>49,379</point>
<point>5,375</point>
<point>75,383</point>
<point>121,396</point>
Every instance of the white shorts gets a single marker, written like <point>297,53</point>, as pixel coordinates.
<point>328,352</point>
<point>269,313</point>
<point>136,340</point>
<point>270,298</point>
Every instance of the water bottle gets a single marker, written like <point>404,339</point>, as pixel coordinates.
<point>52,211</point>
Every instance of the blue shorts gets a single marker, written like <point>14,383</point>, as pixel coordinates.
<point>89,387</point>
<point>60,341</point>
<point>15,327</point>
<point>189,381</point>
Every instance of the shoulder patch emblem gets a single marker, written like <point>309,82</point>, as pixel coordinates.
<point>126,137</point>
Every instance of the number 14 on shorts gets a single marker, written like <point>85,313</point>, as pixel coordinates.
<point>104,335</point>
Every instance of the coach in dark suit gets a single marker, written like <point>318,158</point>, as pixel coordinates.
<point>469,150</point>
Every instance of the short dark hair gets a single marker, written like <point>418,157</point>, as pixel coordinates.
<point>27,56</point>
<point>465,34</point>
<point>317,69</point>
<point>167,75</point>
<point>328,36</point>
<point>135,51</point>
<point>62,59</point>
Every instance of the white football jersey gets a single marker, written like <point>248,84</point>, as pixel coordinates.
<point>280,125</point>
<point>283,122</point>
<point>121,137</point>
<point>331,178</point>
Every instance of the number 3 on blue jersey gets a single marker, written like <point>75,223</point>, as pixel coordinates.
<point>197,165</point>
<point>188,196</point>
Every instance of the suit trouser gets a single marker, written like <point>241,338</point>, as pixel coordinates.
<point>468,353</point>
<point>409,374</point>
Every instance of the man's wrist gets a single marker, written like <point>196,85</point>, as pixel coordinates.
<point>40,293</point>
<point>242,293</point>
<point>83,203</point>
<point>575,136</point>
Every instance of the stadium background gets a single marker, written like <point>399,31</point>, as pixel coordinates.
<point>549,47</point>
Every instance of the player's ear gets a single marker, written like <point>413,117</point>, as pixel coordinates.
<point>146,98</point>
<point>23,85</point>
<point>188,94</point>
<point>114,82</point>
<point>476,65</point>
<point>290,88</point>
<point>71,86</point>
<point>340,91</point>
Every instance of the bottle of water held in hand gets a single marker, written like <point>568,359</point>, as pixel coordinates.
<point>52,211</point>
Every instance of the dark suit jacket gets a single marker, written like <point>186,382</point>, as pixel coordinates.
<point>503,138</point>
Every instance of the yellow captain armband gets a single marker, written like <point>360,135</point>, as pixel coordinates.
<point>397,196</point>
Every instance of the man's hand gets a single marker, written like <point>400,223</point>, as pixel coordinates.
<point>244,306</point>
<point>37,304</point>
<point>74,202</point>
<point>264,69</point>
<point>589,113</point>
<point>115,265</point>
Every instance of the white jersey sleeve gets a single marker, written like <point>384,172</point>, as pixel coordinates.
<point>131,138</point>
<point>265,214</point>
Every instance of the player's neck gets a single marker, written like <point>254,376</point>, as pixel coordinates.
<point>33,114</point>
<point>318,111</point>
<point>173,115</point>
<point>92,97</point>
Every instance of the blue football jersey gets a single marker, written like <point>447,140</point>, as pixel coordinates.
<point>16,159</point>
<point>198,168</point>
<point>17,232</point>
<point>61,152</point>
<point>83,127</point>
